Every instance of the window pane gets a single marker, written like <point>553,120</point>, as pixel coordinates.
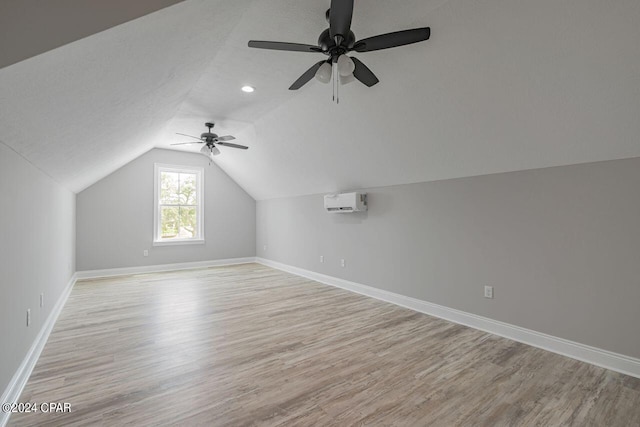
<point>169,222</point>
<point>188,223</point>
<point>178,204</point>
<point>169,188</point>
<point>188,189</point>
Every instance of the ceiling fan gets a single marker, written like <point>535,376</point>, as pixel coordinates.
<point>210,140</point>
<point>337,41</point>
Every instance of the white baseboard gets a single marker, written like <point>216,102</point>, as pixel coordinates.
<point>19,380</point>
<point>595,356</point>
<point>110,272</point>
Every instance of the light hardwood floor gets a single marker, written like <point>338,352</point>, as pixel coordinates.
<point>249,345</point>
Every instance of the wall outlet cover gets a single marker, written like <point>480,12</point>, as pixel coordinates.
<point>488,291</point>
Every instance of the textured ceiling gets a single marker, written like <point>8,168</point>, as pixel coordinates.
<point>83,110</point>
<point>501,86</point>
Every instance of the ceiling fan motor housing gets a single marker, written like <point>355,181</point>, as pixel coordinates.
<point>328,45</point>
<point>208,135</point>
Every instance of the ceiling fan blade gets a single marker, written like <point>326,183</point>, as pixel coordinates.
<point>186,143</point>
<point>190,136</point>
<point>398,38</point>
<point>226,138</point>
<point>363,73</point>
<point>292,47</point>
<point>340,15</point>
<point>308,75</point>
<point>228,144</point>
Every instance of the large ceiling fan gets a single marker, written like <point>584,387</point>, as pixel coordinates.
<point>337,41</point>
<point>210,141</point>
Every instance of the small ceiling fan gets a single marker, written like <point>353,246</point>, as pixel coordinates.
<point>337,41</point>
<point>210,140</point>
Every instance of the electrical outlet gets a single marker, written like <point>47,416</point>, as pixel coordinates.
<point>28,317</point>
<point>265,248</point>
<point>488,291</point>
<point>145,252</point>
<point>321,258</point>
<point>342,263</point>
<point>41,300</point>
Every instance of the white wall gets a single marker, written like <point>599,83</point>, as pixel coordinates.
<point>37,254</point>
<point>115,217</point>
<point>561,246</point>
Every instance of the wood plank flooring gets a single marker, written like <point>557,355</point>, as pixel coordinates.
<point>249,345</point>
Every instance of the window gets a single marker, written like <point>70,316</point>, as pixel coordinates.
<point>178,217</point>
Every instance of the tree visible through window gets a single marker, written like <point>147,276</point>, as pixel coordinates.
<point>178,204</point>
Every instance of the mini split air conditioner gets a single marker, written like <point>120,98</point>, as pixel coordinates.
<point>345,202</point>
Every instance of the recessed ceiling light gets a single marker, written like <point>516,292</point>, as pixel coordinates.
<point>248,89</point>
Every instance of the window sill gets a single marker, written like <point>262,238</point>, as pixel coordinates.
<point>178,242</point>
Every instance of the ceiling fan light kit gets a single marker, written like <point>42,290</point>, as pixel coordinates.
<point>345,65</point>
<point>338,40</point>
<point>209,151</point>
<point>324,73</point>
<point>347,79</point>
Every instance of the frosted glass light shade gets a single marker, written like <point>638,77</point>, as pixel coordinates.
<point>345,65</point>
<point>324,73</point>
<point>344,80</point>
<point>209,151</point>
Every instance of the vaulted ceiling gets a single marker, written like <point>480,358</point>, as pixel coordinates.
<point>501,85</point>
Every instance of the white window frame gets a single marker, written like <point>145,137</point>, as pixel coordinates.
<point>199,172</point>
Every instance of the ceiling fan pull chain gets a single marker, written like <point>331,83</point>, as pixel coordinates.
<point>333,83</point>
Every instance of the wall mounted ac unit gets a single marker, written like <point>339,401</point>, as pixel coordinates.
<point>345,202</point>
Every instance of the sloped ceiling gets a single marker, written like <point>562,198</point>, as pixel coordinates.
<point>31,27</point>
<point>501,86</point>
